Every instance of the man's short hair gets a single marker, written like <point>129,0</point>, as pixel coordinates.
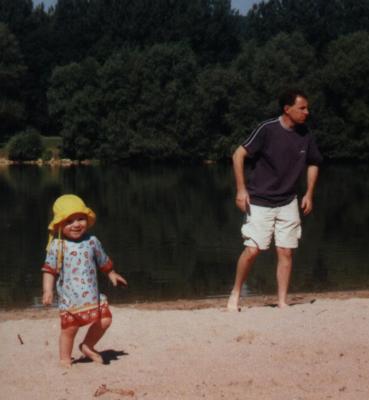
<point>288,98</point>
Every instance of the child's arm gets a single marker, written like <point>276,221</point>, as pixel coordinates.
<point>50,272</point>
<point>106,265</point>
<point>116,279</point>
<point>48,281</point>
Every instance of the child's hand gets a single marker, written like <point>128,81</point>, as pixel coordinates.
<point>117,279</point>
<point>47,298</point>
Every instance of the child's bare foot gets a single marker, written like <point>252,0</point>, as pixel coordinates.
<point>232,304</point>
<point>91,353</point>
<point>65,363</point>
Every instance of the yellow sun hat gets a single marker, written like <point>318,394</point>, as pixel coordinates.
<point>67,205</point>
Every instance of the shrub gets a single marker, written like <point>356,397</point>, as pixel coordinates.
<point>26,146</point>
<point>47,155</point>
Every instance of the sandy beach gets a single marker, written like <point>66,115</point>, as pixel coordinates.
<point>318,348</point>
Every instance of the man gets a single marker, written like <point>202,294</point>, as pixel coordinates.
<point>280,150</point>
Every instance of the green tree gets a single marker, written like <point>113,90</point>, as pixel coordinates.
<point>76,29</point>
<point>32,28</point>
<point>15,14</point>
<point>147,98</point>
<point>74,103</point>
<point>12,72</point>
<point>345,116</point>
<point>138,104</point>
<point>211,131</point>
<point>263,72</point>
<point>38,50</point>
<point>213,30</point>
<point>284,61</point>
<point>25,146</point>
<point>99,28</point>
<point>320,21</point>
<point>247,108</point>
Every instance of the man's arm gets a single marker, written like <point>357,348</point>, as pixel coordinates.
<point>307,200</point>
<point>242,196</point>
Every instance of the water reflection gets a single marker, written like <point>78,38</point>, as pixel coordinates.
<point>173,231</point>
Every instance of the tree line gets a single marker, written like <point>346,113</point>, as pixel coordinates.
<point>120,80</point>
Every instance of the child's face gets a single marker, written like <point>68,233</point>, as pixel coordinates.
<point>75,226</point>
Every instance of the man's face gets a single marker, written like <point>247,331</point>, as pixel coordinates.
<point>298,112</point>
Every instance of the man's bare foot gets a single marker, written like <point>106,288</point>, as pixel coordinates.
<point>91,353</point>
<point>283,305</point>
<point>65,363</point>
<point>232,304</point>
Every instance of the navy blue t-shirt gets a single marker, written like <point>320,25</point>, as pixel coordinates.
<point>278,157</point>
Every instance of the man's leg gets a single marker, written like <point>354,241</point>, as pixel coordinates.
<point>244,264</point>
<point>284,268</point>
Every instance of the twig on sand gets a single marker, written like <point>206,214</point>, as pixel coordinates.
<point>20,339</point>
<point>102,389</point>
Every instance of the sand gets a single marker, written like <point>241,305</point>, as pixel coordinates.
<point>316,349</point>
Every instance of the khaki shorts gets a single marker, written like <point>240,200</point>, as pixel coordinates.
<point>264,222</point>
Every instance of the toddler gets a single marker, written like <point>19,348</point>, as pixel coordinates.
<point>73,257</point>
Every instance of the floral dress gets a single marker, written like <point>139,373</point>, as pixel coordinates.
<point>79,300</point>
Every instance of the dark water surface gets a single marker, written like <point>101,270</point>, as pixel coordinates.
<point>173,231</point>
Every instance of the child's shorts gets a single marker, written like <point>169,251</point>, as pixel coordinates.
<point>265,222</point>
<point>86,317</point>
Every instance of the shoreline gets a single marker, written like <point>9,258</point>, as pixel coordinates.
<point>246,302</point>
<point>53,162</point>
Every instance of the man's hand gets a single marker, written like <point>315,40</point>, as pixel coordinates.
<point>243,200</point>
<point>306,204</point>
<point>117,279</point>
<point>307,200</point>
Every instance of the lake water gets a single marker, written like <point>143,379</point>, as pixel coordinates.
<point>174,232</point>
